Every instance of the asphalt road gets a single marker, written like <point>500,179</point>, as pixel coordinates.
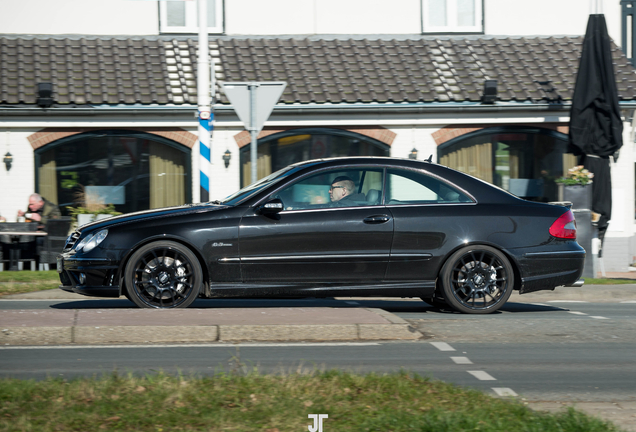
<point>566,351</point>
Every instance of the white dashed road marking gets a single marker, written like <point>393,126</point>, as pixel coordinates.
<point>598,317</point>
<point>482,376</point>
<point>577,313</point>
<point>504,391</point>
<point>442,346</point>
<point>461,360</point>
<point>567,301</point>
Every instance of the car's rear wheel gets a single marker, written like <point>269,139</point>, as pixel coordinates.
<point>477,279</point>
<point>163,275</point>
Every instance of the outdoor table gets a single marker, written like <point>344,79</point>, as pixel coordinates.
<point>13,234</point>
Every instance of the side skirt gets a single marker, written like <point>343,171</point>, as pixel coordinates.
<point>384,289</point>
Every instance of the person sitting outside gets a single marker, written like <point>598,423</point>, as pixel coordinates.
<point>343,192</point>
<point>40,210</point>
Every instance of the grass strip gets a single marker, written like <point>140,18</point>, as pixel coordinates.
<point>608,281</point>
<point>29,276</point>
<point>20,282</point>
<point>274,403</point>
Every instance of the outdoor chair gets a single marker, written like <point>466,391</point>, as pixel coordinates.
<point>57,230</point>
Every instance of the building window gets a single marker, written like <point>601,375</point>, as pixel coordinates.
<point>131,170</point>
<point>524,161</point>
<point>279,150</point>
<point>181,16</point>
<point>452,16</point>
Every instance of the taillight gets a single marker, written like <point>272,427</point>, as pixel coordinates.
<point>564,227</point>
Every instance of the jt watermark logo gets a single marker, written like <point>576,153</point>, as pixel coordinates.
<point>317,427</point>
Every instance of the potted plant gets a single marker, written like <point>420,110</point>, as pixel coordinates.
<point>576,187</point>
<point>91,208</point>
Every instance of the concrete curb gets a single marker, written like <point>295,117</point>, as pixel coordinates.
<point>85,335</point>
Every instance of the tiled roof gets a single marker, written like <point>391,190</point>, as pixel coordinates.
<point>98,71</point>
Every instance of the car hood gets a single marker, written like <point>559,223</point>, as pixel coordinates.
<point>146,214</point>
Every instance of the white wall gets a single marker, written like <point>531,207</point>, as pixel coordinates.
<point>295,17</point>
<point>414,137</point>
<point>224,181</point>
<point>548,17</point>
<point>18,183</point>
<point>616,249</point>
<point>283,17</point>
<point>85,17</point>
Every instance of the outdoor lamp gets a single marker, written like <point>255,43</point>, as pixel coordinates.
<point>45,91</point>
<point>413,154</point>
<point>8,160</point>
<point>226,158</point>
<point>490,92</point>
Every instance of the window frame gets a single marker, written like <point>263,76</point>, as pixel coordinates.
<point>192,24</point>
<point>119,133</point>
<point>451,19</point>
<point>268,196</point>
<point>441,180</point>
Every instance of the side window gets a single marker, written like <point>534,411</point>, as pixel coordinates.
<point>334,188</point>
<point>410,187</point>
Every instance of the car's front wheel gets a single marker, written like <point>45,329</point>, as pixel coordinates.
<point>163,275</point>
<point>477,280</point>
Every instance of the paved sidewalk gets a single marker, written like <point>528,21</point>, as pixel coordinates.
<point>122,326</point>
<point>104,326</point>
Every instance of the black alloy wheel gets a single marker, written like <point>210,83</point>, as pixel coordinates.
<point>477,280</point>
<point>163,275</point>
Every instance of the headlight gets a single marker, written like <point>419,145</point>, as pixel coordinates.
<point>90,242</point>
<point>82,243</point>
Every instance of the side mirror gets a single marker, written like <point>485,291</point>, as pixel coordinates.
<point>271,207</point>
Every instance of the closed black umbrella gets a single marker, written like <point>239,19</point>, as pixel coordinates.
<point>596,129</point>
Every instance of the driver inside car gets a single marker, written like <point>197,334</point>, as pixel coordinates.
<point>342,192</point>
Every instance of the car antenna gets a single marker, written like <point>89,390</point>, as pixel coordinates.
<point>430,159</point>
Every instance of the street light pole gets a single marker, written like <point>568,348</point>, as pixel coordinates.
<point>203,98</point>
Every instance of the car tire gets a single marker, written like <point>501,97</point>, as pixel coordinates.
<point>163,275</point>
<point>477,280</point>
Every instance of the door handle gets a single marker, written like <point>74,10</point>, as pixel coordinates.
<point>377,219</point>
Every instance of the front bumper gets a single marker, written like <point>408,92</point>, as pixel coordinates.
<point>97,277</point>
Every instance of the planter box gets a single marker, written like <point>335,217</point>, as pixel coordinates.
<point>580,196</point>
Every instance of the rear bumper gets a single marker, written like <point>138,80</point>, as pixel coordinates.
<point>548,270</point>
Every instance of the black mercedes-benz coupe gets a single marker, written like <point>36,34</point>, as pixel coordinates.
<point>361,226</point>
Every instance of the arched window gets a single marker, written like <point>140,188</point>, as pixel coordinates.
<point>131,170</point>
<point>525,161</point>
<point>279,150</point>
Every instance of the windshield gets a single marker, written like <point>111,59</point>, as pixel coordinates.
<point>248,191</point>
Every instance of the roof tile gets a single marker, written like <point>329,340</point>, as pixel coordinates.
<point>161,71</point>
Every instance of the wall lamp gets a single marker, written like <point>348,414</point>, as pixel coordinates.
<point>226,158</point>
<point>8,160</point>
<point>413,154</point>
